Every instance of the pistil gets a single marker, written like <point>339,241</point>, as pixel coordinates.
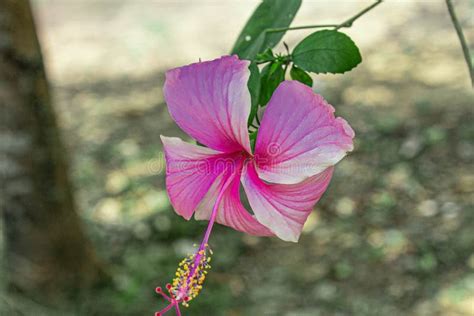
<point>193,269</point>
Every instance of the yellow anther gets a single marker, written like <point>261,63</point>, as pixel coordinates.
<point>190,276</point>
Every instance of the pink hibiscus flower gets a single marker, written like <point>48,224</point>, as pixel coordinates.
<point>298,143</point>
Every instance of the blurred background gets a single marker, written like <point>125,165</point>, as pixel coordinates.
<point>393,235</point>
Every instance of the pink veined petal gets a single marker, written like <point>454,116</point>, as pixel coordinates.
<point>190,172</point>
<point>299,135</point>
<point>211,102</point>
<point>231,212</point>
<point>284,208</point>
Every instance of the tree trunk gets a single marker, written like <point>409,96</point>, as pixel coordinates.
<point>46,252</point>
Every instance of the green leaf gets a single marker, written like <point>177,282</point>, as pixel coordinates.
<point>301,76</point>
<point>326,51</point>
<point>272,75</point>
<point>269,14</point>
<point>254,88</point>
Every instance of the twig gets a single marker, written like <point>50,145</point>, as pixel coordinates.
<point>347,23</point>
<point>462,39</point>
<point>294,28</point>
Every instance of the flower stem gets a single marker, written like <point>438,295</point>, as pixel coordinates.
<point>462,39</point>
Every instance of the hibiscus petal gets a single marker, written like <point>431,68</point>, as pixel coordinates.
<point>299,135</point>
<point>231,212</point>
<point>211,102</point>
<point>190,172</point>
<point>284,208</point>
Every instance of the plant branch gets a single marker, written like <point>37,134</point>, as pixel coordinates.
<point>347,23</point>
<point>294,28</point>
<point>350,21</point>
<point>462,39</point>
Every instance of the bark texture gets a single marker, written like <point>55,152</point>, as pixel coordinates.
<point>46,251</point>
